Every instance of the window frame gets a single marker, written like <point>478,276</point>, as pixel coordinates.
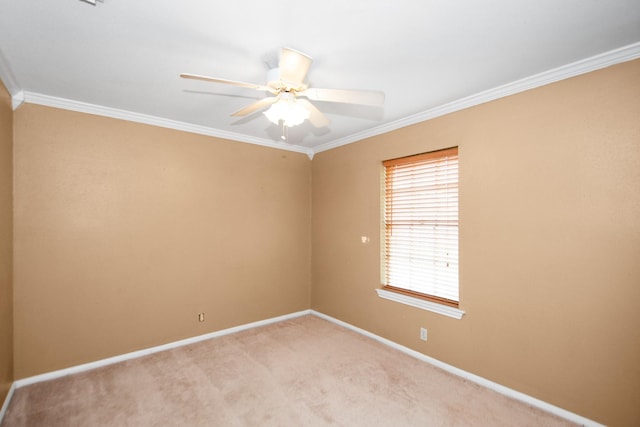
<point>436,303</point>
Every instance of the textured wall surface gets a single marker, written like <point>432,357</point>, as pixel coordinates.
<point>125,232</point>
<point>549,242</point>
<point>6,242</point>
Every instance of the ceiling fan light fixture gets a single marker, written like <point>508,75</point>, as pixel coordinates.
<point>287,82</point>
<point>287,110</point>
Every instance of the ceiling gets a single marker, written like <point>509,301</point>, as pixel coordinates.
<point>123,58</point>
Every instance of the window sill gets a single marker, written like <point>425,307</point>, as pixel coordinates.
<point>420,303</point>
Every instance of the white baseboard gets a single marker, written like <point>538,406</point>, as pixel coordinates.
<point>563,413</point>
<point>145,352</point>
<point>570,416</point>
<point>7,400</point>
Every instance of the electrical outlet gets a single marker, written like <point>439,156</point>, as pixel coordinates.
<point>200,317</point>
<point>423,334</point>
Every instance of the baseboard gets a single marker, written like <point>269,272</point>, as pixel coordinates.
<point>145,352</point>
<point>570,416</point>
<point>7,400</point>
<point>563,413</point>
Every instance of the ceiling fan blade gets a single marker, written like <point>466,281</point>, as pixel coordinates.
<point>293,66</point>
<point>316,117</point>
<point>363,97</point>
<point>225,81</point>
<point>258,105</point>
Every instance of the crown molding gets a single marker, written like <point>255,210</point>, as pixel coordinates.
<point>9,81</point>
<point>17,100</point>
<point>607,59</point>
<point>616,56</point>
<point>115,113</point>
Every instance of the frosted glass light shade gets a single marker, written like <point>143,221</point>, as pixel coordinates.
<point>287,110</point>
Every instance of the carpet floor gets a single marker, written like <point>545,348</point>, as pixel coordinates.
<point>300,372</point>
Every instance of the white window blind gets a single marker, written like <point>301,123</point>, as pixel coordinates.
<point>421,225</point>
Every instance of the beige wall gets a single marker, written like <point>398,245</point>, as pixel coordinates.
<point>6,243</point>
<point>125,232</point>
<point>549,242</point>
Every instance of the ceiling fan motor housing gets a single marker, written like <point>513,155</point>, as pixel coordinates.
<point>275,81</point>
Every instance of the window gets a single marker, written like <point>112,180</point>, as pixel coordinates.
<point>421,227</point>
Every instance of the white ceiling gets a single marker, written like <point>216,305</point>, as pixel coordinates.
<point>122,58</point>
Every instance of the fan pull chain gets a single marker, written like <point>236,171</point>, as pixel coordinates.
<point>285,131</point>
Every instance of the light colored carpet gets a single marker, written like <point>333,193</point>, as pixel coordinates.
<point>301,372</point>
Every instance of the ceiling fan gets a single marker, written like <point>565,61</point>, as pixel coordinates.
<point>290,104</point>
